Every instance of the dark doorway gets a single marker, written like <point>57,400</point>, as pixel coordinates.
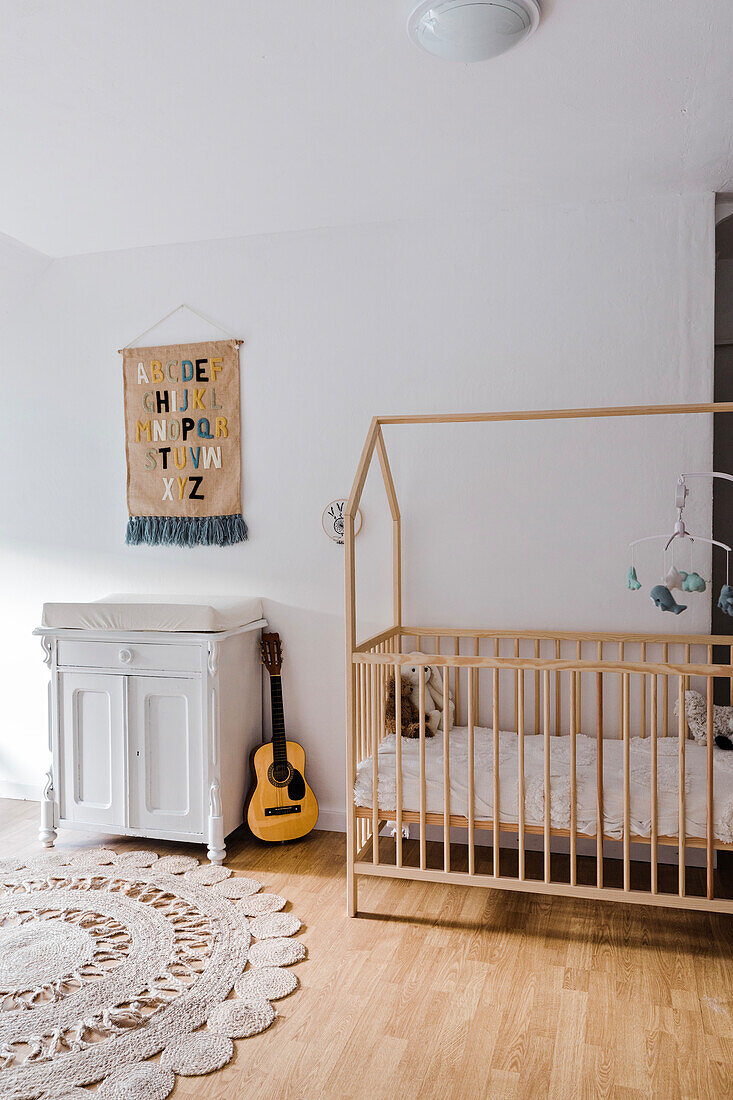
<point>722,433</point>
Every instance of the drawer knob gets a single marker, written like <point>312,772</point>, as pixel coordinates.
<point>125,656</point>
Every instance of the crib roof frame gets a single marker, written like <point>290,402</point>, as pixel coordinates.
<point>374,442</point>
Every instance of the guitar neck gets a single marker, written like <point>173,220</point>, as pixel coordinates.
<point>279,741</point>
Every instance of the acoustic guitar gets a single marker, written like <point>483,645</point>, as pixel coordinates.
<point>281,804</point>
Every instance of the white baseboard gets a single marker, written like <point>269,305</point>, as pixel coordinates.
<point>331,821</point>
<point>29,792</point>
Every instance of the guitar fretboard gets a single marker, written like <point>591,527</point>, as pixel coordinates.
<point>279,746</point>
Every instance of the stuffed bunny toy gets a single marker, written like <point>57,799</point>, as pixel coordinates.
<point>410,683</point>
<point>434,719</point>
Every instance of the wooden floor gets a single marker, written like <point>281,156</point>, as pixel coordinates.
<point>452,992</point>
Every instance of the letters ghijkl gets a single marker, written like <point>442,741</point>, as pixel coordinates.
<point>183,444</point>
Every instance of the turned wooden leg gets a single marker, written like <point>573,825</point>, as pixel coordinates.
<point>217,849</point>
<point>47,833</point>
<point>216,855</point>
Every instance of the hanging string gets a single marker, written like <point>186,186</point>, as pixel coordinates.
<point>183,305</point>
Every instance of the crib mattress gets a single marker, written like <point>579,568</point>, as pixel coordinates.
<point>640,782</point>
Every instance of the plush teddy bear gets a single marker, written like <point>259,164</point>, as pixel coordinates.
<point>410,683</point>
<point>697,720</point>
<point>410,712</point>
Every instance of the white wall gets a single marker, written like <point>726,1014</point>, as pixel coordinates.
<point>521,525</point>
<point>20,269</point>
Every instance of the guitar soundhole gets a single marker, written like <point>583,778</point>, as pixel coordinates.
<point>279,774</point>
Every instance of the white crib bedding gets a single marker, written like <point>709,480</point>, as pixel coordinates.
<point>640,781</point>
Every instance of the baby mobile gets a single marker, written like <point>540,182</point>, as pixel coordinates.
<point>674,578</point>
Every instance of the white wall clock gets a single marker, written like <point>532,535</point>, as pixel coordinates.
<point>333,521</point>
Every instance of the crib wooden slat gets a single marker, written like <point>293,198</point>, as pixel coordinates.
<point>573,780</point>
<point>599,772</point>
<point>665,694</point>
<point>457,680</point>
<point>546,787</point>
<point>558,692</point>
<point>654,809</point>
<point>495,716</point>
<point>621,649</point>
<point>687,661</point>
<point>520,771</point>
<point>537,691</point>
<point>423,820</point>
<point>398,762</point>
<point>627,787</point>
<point>471,792</point>
<point>730,689</point>
<point>642,696</point>
<point>375,762</point>
<point>446,771</point>
<point>710,823</point>
<point>579,704</point>
<point>516,685</point>
<point>359,714</point>
<point>364,731</point>
<point>382,693</point>
<point>681,731</point>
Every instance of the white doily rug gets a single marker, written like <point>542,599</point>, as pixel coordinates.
<point>107,959</point>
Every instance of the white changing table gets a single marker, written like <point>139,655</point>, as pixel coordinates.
<point>154,706</point>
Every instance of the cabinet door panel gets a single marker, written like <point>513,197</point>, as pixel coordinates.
<point>92,747</point>
<point>166,779</point>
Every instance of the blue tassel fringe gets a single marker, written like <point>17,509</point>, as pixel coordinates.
<point>185,530</point>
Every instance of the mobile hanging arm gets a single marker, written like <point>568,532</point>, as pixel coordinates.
<point>680,531</point>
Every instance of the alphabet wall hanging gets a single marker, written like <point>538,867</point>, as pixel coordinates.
<point>182,436</point>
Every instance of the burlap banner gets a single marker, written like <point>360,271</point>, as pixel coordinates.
<point>184,465</point>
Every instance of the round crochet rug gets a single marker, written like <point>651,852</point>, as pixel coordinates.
<point>108,958</point>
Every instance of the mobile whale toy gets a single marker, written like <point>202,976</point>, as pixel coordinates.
<point>661,594</point>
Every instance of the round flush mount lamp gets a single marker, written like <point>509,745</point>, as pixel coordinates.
<point>471,30</point>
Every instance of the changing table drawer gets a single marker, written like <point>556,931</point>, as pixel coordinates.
<point>129,656</point>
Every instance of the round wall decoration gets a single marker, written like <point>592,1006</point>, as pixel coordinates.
<point>333,521</point>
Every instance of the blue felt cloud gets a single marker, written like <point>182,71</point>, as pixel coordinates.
<point>692,582</point>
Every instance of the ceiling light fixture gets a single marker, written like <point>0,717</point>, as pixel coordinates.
<point>471,30</point>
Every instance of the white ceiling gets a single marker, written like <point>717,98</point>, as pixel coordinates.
<point>151,121</point>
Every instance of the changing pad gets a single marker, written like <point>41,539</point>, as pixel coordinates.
<point>172,613</point>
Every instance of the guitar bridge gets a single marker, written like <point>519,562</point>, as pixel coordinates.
<point>274,811</point>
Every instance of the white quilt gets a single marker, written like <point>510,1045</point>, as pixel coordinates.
<point>640,772</point>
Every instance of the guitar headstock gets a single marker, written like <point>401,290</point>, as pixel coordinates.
<point>271,653</point>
